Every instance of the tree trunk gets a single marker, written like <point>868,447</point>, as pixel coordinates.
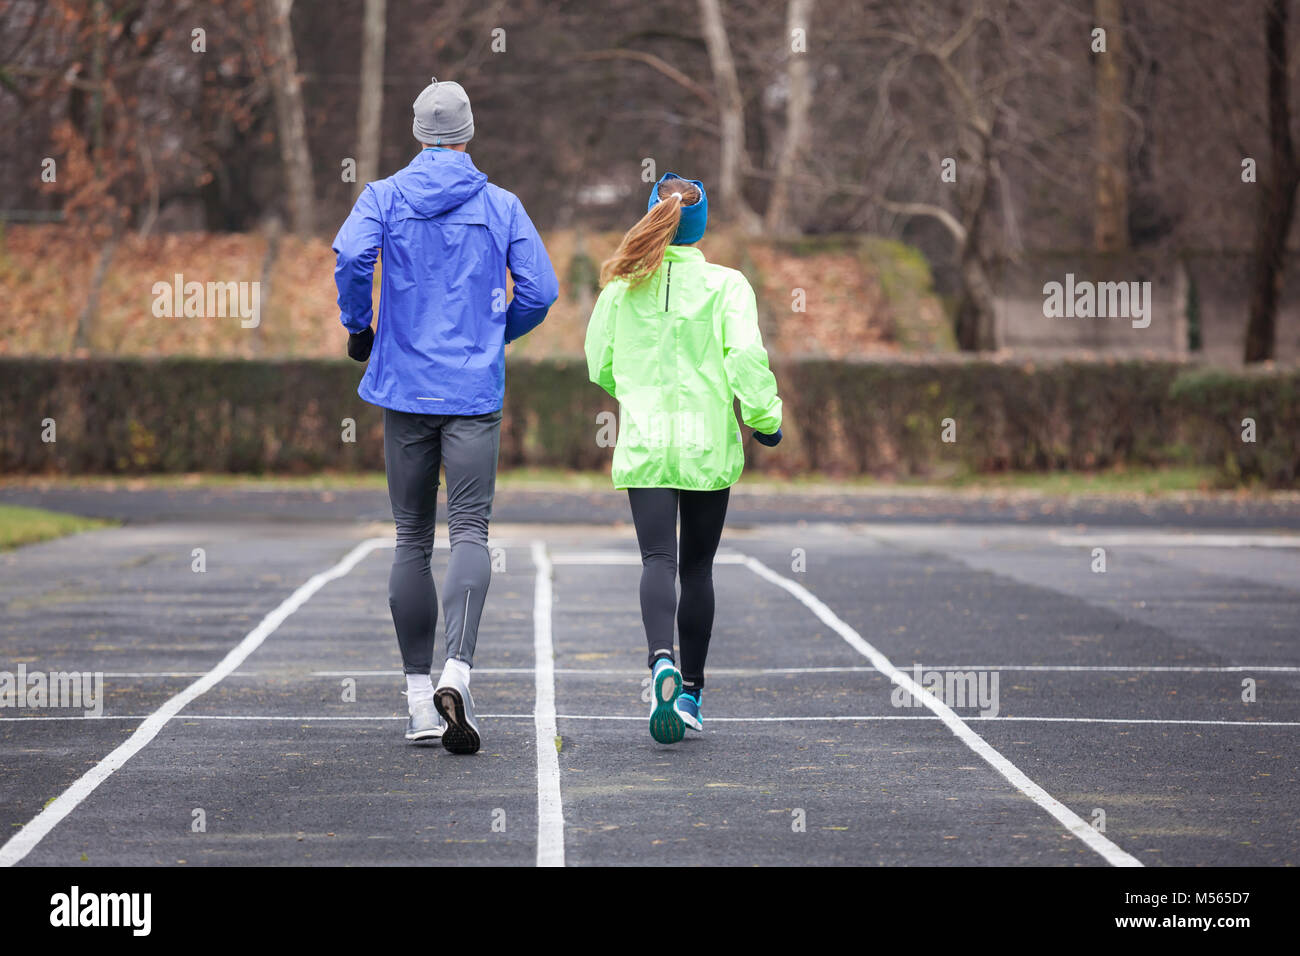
<point>371,107</point>
<point>97,57</point>
<point>1277,204</point>
<point>975,309</point>
<point>286,89</point>
<point>81,339</point>
<point>1110,229</point>
<point>797,129</point>
<point>731,116</point>
<point>273,228</point>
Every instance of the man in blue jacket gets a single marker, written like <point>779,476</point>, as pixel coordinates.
<point>437,368</point>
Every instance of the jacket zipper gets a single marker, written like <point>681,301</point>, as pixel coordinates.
<point>668,290</point>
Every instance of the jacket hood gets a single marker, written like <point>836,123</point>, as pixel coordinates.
<point>438,180</point>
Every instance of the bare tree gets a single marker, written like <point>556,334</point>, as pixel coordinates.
<point>1278,199</point>
<point>286,89</point>
<point>1008,90</point>
<point>959,94</point>
<point>798,129</point>
<point>973,98</point>
<point>371,108</point>
<point>1110,226</point>
<point>733,161</point>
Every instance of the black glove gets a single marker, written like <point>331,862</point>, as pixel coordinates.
<point>771,441</point>
<point>359,344</point>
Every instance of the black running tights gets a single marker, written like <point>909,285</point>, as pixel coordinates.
<point>654,512</point>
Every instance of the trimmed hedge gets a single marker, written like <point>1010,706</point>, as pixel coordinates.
<point>887,418</point>
<point>1217,403</point>
<point>135,416</point>
<point>138,416</point>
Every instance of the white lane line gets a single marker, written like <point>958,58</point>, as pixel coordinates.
<point>319,718</point>
<point>442,541</point>
<point>737,671</point>
<point>623,556</point>
<point>25,840</point>
<point>1121,668</point>
<point>478,672</point>
<point>1179,540</point>
<point>87,670</point>
<point>1064,815</point>
<point>831,718</point>
<point>550,810</point>
<point>753,671</point>
<point>306,719</point>
<point>1145,720</point>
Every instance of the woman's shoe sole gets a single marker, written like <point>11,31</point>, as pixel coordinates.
<point>687,721</point>
<point>459,737</point>
<point>423,736</point>
<point>666,725</point>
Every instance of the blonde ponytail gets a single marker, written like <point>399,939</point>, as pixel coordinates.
<point>642,250</point>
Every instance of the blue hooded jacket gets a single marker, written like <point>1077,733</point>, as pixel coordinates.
<point>448,236</point>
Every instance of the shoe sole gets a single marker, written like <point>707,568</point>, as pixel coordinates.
<point>696,725</point>
<point>459,737</point>
<point>424,735</point>
<point>666,725</point>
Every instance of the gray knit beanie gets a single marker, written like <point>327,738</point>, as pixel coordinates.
<point>442,115</point>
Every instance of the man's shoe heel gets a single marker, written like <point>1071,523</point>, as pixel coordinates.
<point>460,737</point>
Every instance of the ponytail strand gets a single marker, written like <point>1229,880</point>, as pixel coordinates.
<point>641,252</point>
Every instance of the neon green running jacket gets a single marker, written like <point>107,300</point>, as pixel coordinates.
<point>673,352</point>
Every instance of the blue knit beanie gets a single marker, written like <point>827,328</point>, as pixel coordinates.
<point>695,218</point>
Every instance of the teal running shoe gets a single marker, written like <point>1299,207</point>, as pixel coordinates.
<point>688,709</point>
<point>665,723</point>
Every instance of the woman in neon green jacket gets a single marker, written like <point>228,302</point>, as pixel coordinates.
<point>674,338</point>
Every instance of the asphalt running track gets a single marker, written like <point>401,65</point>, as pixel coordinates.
<point>1119,692</point>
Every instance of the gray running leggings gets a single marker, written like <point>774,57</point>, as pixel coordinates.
<point>415,445</point>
